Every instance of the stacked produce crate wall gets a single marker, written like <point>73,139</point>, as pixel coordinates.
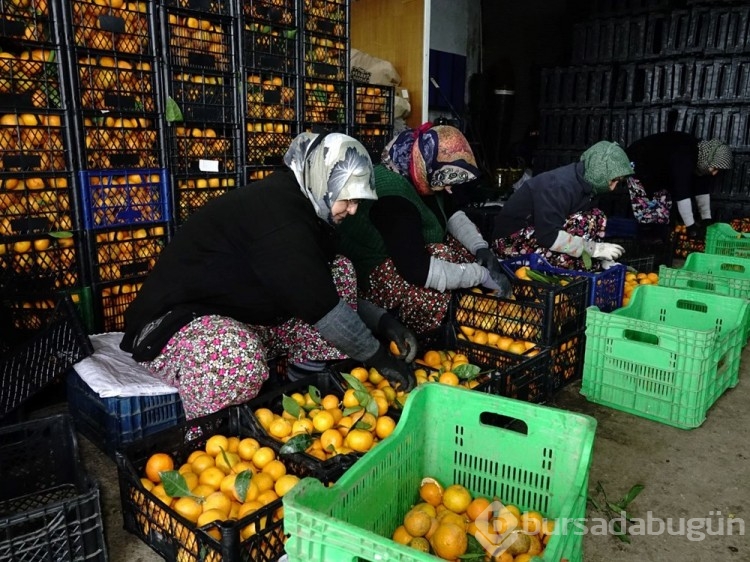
<point>40,231</point>
<point>121,119</point>
<point>639,68</point>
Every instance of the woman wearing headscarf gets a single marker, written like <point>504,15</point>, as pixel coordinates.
<point>685,167</point>
<point>410,247</point>
<point>254,273</point>
<point>554,213</point>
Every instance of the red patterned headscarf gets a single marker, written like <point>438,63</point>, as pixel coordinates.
<point>432,157</point>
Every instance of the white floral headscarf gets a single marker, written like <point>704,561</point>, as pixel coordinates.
<point>337,168</point>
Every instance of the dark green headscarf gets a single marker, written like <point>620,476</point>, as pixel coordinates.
<point>604,162</point>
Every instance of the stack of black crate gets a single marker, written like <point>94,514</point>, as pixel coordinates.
<point>642,67</point>
<point>41,252</point>
<point>270,91</point>
<point>201,53</point>
<point>118,124</point>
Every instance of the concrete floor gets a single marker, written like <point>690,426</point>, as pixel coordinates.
<point>699,473</point>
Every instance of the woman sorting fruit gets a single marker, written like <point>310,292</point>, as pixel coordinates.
<point>410,247</point>
<point>554,214</point>
<point>254,274</point>
<point>685,167</point>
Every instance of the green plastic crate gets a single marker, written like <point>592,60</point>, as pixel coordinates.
<point>722,239</point>
<point>667,356</point>
<point>545,468</point>
<point>723,275</point>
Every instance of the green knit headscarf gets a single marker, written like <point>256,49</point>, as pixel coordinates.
<point>714,153</point>
<point>604,162</point>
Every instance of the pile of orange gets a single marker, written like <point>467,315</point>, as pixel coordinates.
<point>230,478</point>
<point>449,522</point>
<point>632,280</point>
<point>498,341</point>
<point>440,366</point>
<point>337,425</point>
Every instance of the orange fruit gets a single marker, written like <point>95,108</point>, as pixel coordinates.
<point>189,508</point>
<point>431,492</point>
<point>360,373</point>
<point>350,400</point>
<point>449,378</point>
<point>476,507</point>
<point>331,440</point>
<point>280,428</point>
<point>384,426</point>
<point>275,469</point>
<point>401,535</point>
<point>517,347</point>
<point>226,461</point>
<point>456,498</point>
<point>417,523</point>
<point>265,417</point>
<point>360,440</point>
<point>202,462</point>
<point>432,358</point>
<point>284,484</point>
<point>212,476</point>
<point>264,481</point>
<point>216,444</point>
<point>323,420</point>
<point>263,456</point>
<point>449,541</point>
<point>233,445</point>
<point>157,463</point>
<point>329,402</point>
<point>218,500</point>
<point>393,348</point>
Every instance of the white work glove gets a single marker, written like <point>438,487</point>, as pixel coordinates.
<point>603,250</point>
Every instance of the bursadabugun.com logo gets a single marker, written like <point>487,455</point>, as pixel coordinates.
<point>499,530</point>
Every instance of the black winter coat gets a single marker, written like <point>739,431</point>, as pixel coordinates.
<point>545,202</point>
<point>258,254</point>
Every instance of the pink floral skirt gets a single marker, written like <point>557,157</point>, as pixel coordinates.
<point>419,308</point>
<point>217,361</point>
<point>589,224</point>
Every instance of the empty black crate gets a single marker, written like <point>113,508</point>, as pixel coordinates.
<point>49,507</point>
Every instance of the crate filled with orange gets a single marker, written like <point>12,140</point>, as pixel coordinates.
<point>341,414</point>
<point>35,116</point>
<point>270,116</point>
<point>270,39</point>
<point>210,489</point>
<point>325,42</point>
<point>114,68</point>
<point>373,117</point>
<point>111,300</point>
<point>193,190</point>
<point>325,104</point>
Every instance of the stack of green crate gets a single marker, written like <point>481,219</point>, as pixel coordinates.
<point>667,356</point>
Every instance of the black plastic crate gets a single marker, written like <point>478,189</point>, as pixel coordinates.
<point>374,138</point>
<point>173,536</point>
<point>540,312</point>
<point>36,186</point>
<point>203,97</point>
<point>120,198</point>
<point>194,191</point>
<point>112,423</point>
<point>567,360</point>
<point>31,364</point>
<point>207,7</point>
<point>664,82</point>
<point>728,30</point>
<point>111,300</point>
<point>126,85</point>
<point>688,32</point>
<point>41,264</point>
<point>326,106</point>
<point>120,254</point>
<point>270,35</point>
<point>199,44</point>
<point>373,105</point>
<point>120,142</point>
<point>50,506</point>
<point>126,30</point>
<point>204,148</point>
<point>24,314</point>
<point>327,17</point>
<point>325,57</point>
<point>713,78</point>
<point>736,183</point>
